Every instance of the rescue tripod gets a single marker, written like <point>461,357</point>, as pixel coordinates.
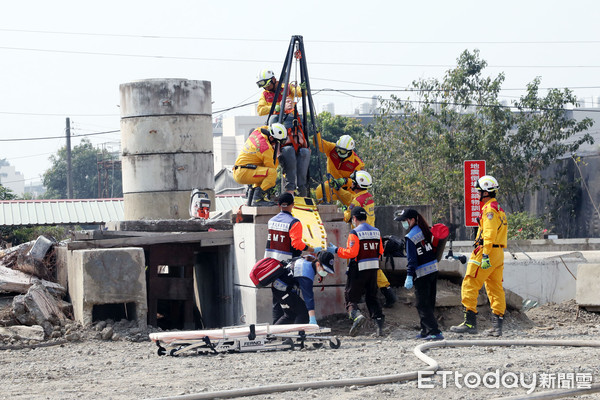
<point>308,120</point>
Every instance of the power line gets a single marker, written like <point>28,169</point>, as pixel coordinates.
<point>57,115</point>
<point>58,137</point>
<point>462,42</point>
<point>274,61</point>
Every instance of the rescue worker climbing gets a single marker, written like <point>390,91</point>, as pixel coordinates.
<point>295,152</point>
<point>267,81</point>
<point>256,164</point>
<point>359,192</point>
<point>342,161</point>
<point>486,263</point>
<point>364,248</point>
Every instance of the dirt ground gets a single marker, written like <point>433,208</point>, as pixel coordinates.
<point>117,361</point>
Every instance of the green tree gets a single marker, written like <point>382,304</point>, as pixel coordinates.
<point>84,159</point>
<point>416,148</point>
<point>6,193</point>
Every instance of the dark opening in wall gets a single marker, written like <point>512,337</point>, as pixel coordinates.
<point>116,312</point>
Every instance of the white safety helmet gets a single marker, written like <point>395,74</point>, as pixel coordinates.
<point>264,77</point>
<point>487,183</point>
<point>362,179</point>
<point>278,131</point>
<point>344,146</point>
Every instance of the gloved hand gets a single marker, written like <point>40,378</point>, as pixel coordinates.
<point>338,183</point>
<point>332,248</point>
<point>312,320</point>
<point>318,249</point>
<point>408,283</point>
<point>485,262</point>
<point>277,108</point>
<point>303,85</point>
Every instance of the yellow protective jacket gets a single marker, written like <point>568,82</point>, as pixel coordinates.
<point>257,150</point>
<point>493,227</point>
<point>267,97</point>
<point>338,167</point>
<point>365,200</point>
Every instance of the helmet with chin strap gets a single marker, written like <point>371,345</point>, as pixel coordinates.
<point>362,179</point>
<point>344,146</point>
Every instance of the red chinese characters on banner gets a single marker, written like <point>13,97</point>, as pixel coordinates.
<point>473,171</point>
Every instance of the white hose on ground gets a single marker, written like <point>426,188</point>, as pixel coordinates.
<point>432,365</point>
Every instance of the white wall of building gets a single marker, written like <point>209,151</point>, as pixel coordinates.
<point>12,179</point>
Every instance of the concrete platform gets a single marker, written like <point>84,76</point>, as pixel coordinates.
<point>107,276</point>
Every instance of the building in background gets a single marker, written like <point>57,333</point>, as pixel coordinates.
<point>12,179</point>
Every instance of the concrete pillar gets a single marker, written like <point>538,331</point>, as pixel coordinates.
<point>167,147</point>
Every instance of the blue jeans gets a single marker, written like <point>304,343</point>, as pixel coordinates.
<point>295,167</point>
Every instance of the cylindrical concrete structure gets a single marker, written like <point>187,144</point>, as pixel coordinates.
<point>167,146</point>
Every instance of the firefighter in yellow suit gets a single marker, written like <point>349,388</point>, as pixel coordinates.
<point>342,161</point>
<point>486,264</point>
<point>359,193</point>
<point>256,164</point>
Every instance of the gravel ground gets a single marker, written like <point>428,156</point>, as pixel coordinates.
<point>126,366</point>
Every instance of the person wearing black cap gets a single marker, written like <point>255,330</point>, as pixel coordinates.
<point>364,249</point>
<point>421,268</point>
<point>284,240</point>
<point>300,278</point>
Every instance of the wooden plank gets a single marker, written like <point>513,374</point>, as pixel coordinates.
<point>13,281</point>
<point>188,237</point>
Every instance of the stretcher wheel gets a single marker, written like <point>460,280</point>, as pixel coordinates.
<point>161,351</point>
<point>173,353</point>
<point>336,344</point>
<point>318,345</point>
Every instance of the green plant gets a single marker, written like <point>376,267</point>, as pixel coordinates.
<point>522,226</point>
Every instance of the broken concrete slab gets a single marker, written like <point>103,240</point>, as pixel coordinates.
<point>13,281</point>
<point>588,283</point>
<point>38,307</point>
<point>35,332</point>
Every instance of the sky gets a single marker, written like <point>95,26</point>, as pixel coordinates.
<point>62,59</point>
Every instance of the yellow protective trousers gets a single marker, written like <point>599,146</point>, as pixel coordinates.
<point>476,277</point>
<point>382,280</point>
<point>264,177</point>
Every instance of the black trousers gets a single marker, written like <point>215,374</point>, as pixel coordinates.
<point>288,308</point>
<point>359,283</point>
<point>425,291</point>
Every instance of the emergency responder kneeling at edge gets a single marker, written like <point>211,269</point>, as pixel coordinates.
<point>364,248</point>
<point>361,183</point>
<point>486,264</point>
<point>300,277</point>
<point>421,268</point>
<point>256,164</point>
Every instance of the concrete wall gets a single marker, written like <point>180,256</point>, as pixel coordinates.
<point>107,276</point>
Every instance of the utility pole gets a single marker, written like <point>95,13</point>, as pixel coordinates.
<point>69,170</point>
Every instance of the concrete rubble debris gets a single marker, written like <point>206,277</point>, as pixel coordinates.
<point>38,307</point>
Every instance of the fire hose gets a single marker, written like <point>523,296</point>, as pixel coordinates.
<point>432,365</point>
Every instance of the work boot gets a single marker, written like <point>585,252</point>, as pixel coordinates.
<point>302,191</point>
<point>379,328</point>
<point>258,200</point>
<point>390,296</point>
<point>468,326</point>
<point>496,329</point>
<point>358,320</point>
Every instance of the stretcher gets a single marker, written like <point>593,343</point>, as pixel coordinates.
<point>313,231</point>
<point>243,338</point>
